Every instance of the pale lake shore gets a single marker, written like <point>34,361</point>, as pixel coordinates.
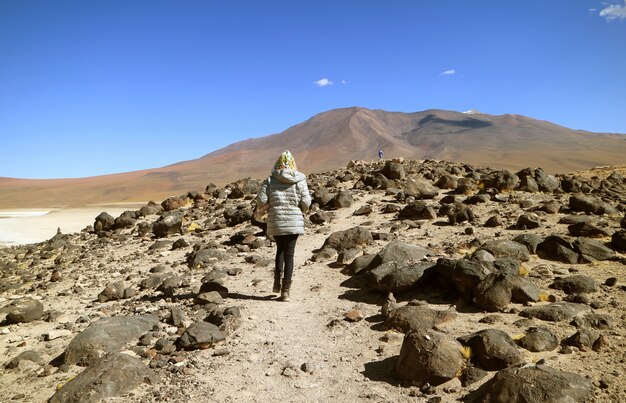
<point>24,226</point>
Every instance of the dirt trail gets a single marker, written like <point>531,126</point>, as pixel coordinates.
<point>289,351</point>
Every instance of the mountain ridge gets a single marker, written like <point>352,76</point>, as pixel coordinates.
<point>329,140</point>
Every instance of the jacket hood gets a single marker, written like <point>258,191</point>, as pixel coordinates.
<point>287,175</point>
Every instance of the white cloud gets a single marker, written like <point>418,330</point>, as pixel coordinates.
<point>593,10</point>
<point>344,82</point>
<point>614,11</point>
<point>323,82</point>
<point>448,72</point>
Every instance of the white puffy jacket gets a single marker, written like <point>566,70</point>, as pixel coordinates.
<point>288,194</point>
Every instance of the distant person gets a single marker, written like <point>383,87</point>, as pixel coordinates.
<point>286,195</point>
<point>380,153</point>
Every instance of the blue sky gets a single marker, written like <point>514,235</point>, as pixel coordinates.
<point>96,87</point>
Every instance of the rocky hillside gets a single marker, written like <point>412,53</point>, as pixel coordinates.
<point>416,281</point>
<point>330,140</point>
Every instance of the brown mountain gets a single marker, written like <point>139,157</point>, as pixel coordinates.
<point>331,139</point>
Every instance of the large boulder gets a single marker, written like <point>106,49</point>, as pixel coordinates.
<point>506,248</point>
<point>126,220</point>
<point>416,315</point>
<point>417,210</point>
<point>618,241</point>
<point>396,277</point>
<point>458,213</point>
<point>575,284</point>
<point>348,239</point>
<point>497,290</point>
<point>559,248</point>
<point>104,222</point>
<point>201,335</point>
<point>106,335</point>
<point>420,188</point>
<point>591,250</point>
<point>150,209</point>
<point>393,170</point>
<point>168,224</point>
<point>555,312</point>
<point>399,252</point>
<point>173,203</point>
<point>205,256</point>
<point>590,204</point>
<point>115,374</point>
<point>239,215</point>
<point>587,229</point>
<point>534,385</point>
<point>342,199</point>
<point>25,356</point>
<point>24,311</point>
<point>538,339</point>
<point>429,357</point>
<point>112,292</point>
<point>492,349</point>
<point>531,241</point>
<point>503,181</point>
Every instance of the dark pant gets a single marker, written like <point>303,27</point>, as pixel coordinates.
<point>285,248</point>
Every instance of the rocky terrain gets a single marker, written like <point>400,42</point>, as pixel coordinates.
<point>416,281</point>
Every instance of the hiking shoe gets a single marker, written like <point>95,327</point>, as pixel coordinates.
<point>284,295</point>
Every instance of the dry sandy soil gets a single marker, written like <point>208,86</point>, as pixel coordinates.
<point>303,350</point>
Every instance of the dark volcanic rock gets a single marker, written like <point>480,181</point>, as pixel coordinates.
<point>492,349</point>
<point>559,248</point>
<point>618,241</point>
<point>241,214</point>
<point>113,375</point>
<point>420,188</point>
<point>342,199</point>
<point>593,320</point>
<point>590,204</point>
<point>399,252</point>
<point>538,339</point>
<point>150,209</point>
<point>587,229</point>
<point>201,335</point>
<point>583,339</point>
<point>416,316</point>
<point>104,222</point>
<point>396,277</point>
<point>112,292</point>
<point>472,375</point>
<point>500,180</point>
<point>429,357</point>
<point>459,213</point>
<point>534,385</point>
<point>575,284</point>
<point>167,225</point>
<point>528,221</point>
<point>393,170</point>
<point>348,239</point>
<point>496,290</point>
<point>28,355</point>
<point>506,248</point>
<point>417,210</point>
<point>126,220</point>
<point>554,312</point>
<point>320,217</point>
<point>591,250</point>
<point>173,203</point>
<point>204,256</point>
<point>531,241</point>
<point>24,311</point>
<point>105,335</point>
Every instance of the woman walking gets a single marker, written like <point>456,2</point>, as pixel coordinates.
<point>287,194</point>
